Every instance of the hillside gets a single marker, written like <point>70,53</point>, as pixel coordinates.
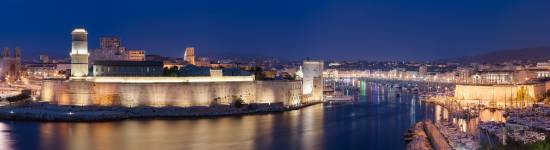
<point>523,54</point>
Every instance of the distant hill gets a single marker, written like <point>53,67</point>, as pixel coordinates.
<point>523,54</point>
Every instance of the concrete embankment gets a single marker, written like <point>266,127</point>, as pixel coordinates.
<point>49,112</point>
<point>437,139</point>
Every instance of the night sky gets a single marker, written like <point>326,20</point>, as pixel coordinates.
<point>285,29</point>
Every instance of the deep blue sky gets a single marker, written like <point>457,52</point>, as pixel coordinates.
<point>287,29</point>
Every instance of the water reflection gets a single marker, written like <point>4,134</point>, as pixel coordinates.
<point>243,132</point>
<point>6,142</point>
<point>377,121</point>
<point>492,115</point>
<point>469,125</point>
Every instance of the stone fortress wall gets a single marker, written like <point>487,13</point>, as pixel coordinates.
<point>183,94</point>
<point>498,94</point>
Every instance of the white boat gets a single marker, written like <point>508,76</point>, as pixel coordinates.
<point>338,97</point>
<point>396,86</point>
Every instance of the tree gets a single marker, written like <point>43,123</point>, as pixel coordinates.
<point>17,98</point>
<point>237,102</point>
<point>546,97</point>
<point>215,101</point>
<point>542,145</point>
<point>170,72</point>
<point>258,73</point>
<point>522,95</point>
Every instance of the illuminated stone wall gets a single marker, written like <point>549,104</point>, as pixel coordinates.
<point>184,94</point>
<point>288,92</point>
<point>311,70</point>
<point>499,94</point>
<point>317,91</point>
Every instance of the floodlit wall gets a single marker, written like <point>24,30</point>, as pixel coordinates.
<point>184,94</point>
<point>288,92</point>
<point>499,94</point>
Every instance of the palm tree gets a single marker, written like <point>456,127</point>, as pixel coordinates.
<point>522,95</point>
<point>541,146</point>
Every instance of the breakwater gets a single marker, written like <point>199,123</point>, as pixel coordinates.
<point>437,139</point>
<point>50,112</point>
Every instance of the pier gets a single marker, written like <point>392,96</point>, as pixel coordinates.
<point>425,135</point>
<point>417,138</point>
<point>436,138</point>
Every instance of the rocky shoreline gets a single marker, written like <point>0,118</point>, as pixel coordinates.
<point>51,112</point>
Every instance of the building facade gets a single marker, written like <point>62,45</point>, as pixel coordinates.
<point>136,55</point>
<point>203,62</point>
<point>110,49</point>
<point>11,66</point>
<point>127,68</point>
<point>423,70</point>
<point>189,55</point>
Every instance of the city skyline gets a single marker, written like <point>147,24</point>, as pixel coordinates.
<point>330,30</point>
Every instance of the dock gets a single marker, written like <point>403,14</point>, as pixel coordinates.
<point>437,139</point>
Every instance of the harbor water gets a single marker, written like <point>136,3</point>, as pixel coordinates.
<point>376,120</point>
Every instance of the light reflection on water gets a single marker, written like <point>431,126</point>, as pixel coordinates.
<point>244,132</point>
<point>6,142</point>
<point>377,121</point>
<point>469,125</point>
